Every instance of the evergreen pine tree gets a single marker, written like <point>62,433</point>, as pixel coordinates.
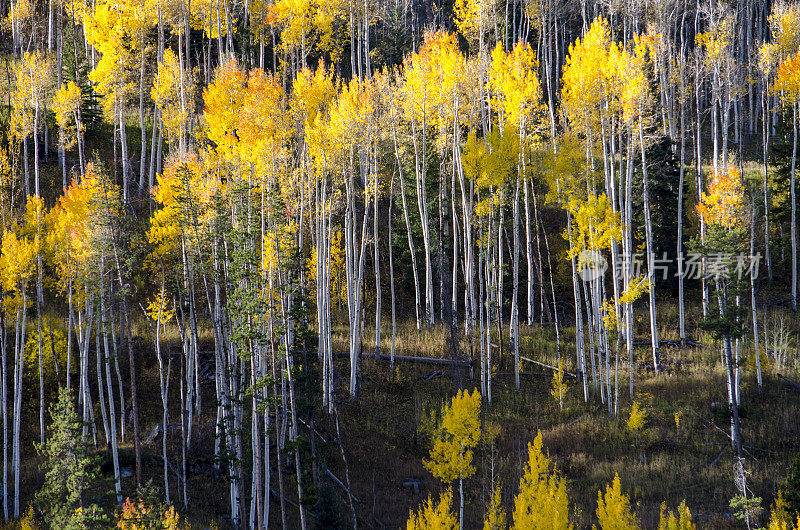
<point>69,470</point>
<point>326,511</point>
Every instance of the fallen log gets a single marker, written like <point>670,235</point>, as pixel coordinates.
<point>341,484</point>
<point>408,358</point>
<point>793,384</point>
<point>554,368</point>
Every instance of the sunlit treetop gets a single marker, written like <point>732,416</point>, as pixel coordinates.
<point>585,74</point>
<point>431,80</point>
<point>312,94</point>
<point>68,225</point>
<point>614,508</point>
<point>264,127</point>
<point>106,30</point>
<point>350,114</point>
<point>458,433</point>
<point>787,79</point>
<point>518,93</point>
<point>542,498</point>
<point>635,96</point>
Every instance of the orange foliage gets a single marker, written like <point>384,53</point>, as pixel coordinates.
<point>723,205</point>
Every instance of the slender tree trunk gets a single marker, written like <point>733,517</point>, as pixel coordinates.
<point>651,276</point>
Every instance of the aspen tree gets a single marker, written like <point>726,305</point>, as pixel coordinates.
<point>614,508</point>
<point>724,212</point>
<point>518,102</point>
<point>105,30</point>
<point>434,516</point>
<point>174,93</point>
<point>787,81</point>
<point>457,435</point>
<point>18,263</point>
<point>429,79</point>
<point>542,499</point>
<point>66,105</point>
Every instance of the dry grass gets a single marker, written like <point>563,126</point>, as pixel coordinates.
<point>383,444</point>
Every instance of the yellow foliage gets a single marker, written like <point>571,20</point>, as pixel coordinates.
<point>559,387</point>
<point>68,230</point>
<point>28,521</point>
<point>159,308</point>
<point>66,105</point>
<point>295,19</point>
<point>583,77</point>
<point>458,433</point>
<point>472,17</point>
<point>637,287</point>
<point>312,94</point>
<point>596,224</point>
<point>110,29</point>
<point>32,84</point>
<point>263,127</point>
<point>245,117</point>
<point>495,518</point>
<point>542,501</point>
<point>22,12</point>
<point>513,77</point>
<point>205,16</point>
<point>784,23</point>
<point>637,418</point>
<point>431,79</point>
<point>17,261</point>
<point>432,516</point>
<point>338,276</point>
<point>184,196</point>
<point>614,508</point>
<point>223,99</point>
<point>176,109</point>
<point>277,245</point>
<point>787,79</point>
<point>723,205</point>
<point>491,162</point>
<point>780,517</point>
<point>682,520</point>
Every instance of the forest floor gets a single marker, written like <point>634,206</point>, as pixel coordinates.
<point>684,451</point>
